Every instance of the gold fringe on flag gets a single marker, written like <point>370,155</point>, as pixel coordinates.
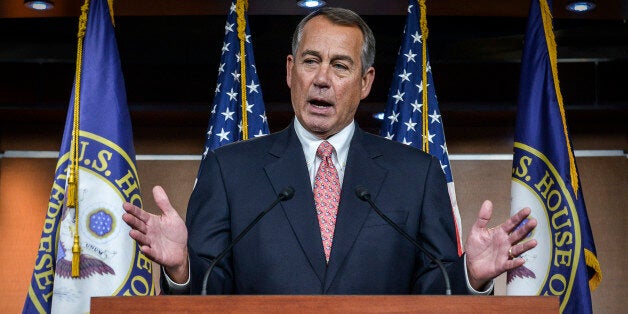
<point>424,32</point>
<point>551,47</point>
<point>590,258</point>
<point>241,7</point>
<point>110,3</point>
<point>591,261</point>
<point>72,199</point>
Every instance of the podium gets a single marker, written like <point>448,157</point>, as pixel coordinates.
<point>326,304</point>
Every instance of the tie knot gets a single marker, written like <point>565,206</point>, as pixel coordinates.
<point>324,150</point>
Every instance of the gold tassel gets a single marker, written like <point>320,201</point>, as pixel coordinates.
<point>72,187</point>
<point>76,256</point>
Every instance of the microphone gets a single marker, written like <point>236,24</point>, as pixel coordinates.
<point>285,194</point>
<point>364,195</point>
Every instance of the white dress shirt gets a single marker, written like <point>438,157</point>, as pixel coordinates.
<point>339,141</point>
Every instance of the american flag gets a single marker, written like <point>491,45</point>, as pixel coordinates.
<point>225,122</point>
<point>403,120</point>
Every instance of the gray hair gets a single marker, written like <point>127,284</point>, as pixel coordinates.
<point>343,17</point>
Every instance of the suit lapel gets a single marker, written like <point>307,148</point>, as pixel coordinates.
<point>352,212</point>
<point>290,169</point>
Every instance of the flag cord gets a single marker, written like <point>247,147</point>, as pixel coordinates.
<point>546,14</point>
<point>241,7</point>
<point>424,33</point>
<point>72,201</point>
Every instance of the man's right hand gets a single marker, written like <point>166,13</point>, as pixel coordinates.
<point>163,238</point>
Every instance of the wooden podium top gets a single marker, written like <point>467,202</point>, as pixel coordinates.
<point>325,304</point>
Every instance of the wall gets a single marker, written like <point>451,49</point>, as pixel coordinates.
<point>25,186</point>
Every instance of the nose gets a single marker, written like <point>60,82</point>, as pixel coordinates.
<point>321,79</point>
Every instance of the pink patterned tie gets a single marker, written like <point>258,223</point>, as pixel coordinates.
<point>326,195</point>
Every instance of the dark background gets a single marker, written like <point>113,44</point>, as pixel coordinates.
<point>170,50</point>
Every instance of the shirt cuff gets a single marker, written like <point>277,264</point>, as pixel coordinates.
<point>178,288</point>
<point>488,288</point>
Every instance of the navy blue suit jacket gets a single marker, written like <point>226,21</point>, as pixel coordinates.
<point>283,253</point>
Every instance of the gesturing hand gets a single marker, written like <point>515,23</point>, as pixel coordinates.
<point>492,251</point>
<point>163,238</point>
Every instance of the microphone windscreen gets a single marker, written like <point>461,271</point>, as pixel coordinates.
<point>287,193</point>
<point>362,193</point>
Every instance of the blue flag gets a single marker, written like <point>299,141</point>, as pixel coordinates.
<point>545,178</point>
<point>226,120</point>
<point>407,118</point>
<point>110,261</point>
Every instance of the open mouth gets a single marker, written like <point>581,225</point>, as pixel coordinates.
<point>320,103</point>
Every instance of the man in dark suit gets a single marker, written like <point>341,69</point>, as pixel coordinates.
<point>324,240</point>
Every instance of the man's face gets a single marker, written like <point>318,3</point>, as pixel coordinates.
<point>325,79</point>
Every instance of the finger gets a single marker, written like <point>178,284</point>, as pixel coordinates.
<point>514,263</point>
<point>516,219</point>
<point>148,251</point>
<point>134,222</point>
<point>140,237</point>
<point>161,198</point>
<point>484,216</point>
<point>516,251</point>
<point>522,232</point>
<point>523,247</point>
<point>136,211</point>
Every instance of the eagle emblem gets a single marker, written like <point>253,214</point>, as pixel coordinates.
<point>521,272</point>
<point>89,265</point>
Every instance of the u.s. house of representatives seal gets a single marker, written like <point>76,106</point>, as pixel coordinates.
<point>550,267</point>
<point>110,263</point>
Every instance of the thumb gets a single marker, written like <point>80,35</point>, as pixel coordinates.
<point>161,198</point>
<point>484,216</point>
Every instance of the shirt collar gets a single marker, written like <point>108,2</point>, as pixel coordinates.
<point>340,141</point>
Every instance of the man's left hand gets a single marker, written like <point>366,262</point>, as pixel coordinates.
<point>492,251</point>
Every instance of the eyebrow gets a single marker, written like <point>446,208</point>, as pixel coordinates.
<point>334,57</point>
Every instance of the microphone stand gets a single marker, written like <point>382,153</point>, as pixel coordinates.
<point>364,195</point>
<point>285,194</point>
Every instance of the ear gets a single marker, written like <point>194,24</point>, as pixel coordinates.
<point>367,82</point>
<point>289,65</point>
